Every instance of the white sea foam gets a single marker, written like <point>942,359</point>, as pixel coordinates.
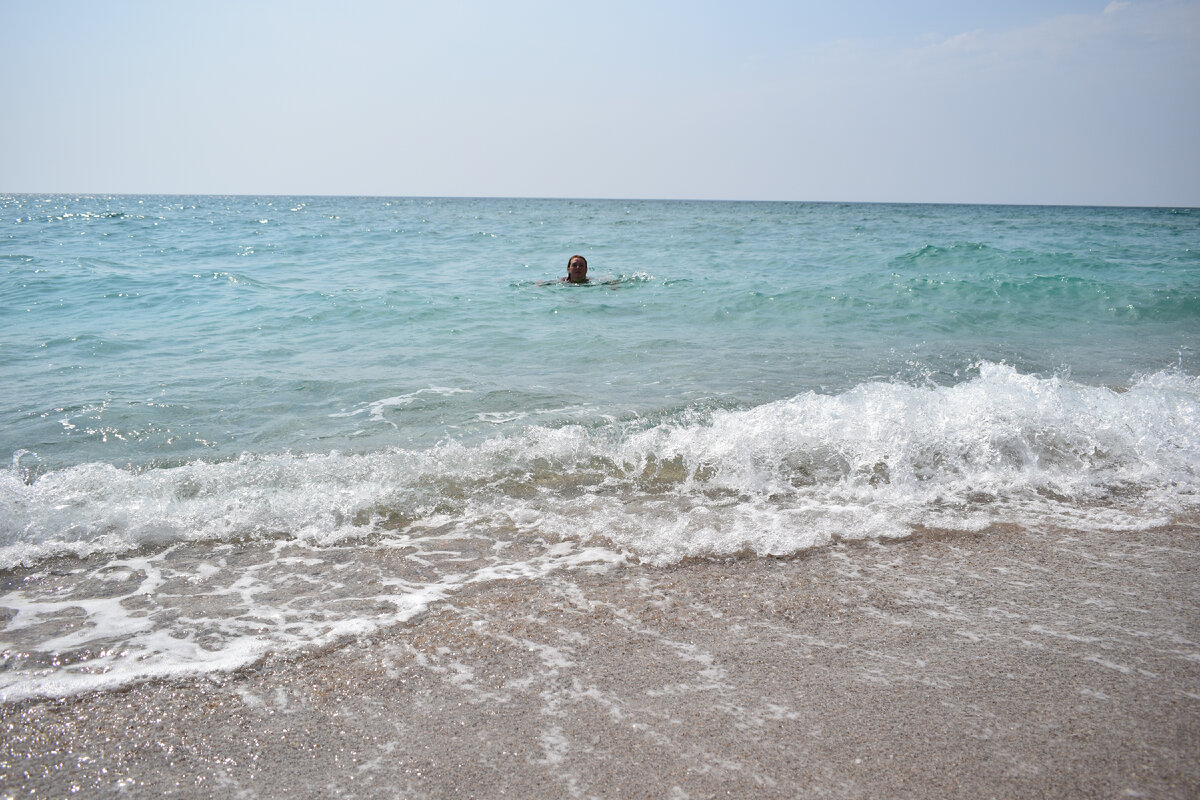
<point>209,566</point>
<point>874,461</point>
<point>188,610</point>
<point>378,409</point>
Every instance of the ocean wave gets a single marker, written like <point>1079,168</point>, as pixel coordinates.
<point>213,565</point>
<point>881,459</point>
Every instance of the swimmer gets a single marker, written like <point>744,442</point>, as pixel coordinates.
<point>577,274</point>
<point>576,270</point>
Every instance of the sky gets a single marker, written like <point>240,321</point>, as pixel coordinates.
<point>1085,102</point>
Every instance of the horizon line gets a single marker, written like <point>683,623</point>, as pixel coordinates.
<point>338,195</point>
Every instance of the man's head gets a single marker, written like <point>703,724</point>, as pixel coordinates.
<point>577,269</point>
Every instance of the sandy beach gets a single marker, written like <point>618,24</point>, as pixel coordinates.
<point>1006,664</point>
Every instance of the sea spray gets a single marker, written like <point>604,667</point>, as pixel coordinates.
<point>877,460</point>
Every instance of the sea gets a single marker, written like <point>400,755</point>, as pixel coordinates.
<point>243,427</point>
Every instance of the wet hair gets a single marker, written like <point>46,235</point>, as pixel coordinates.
<point>571,261</point>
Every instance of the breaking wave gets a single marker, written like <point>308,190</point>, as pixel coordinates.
<point>876,461</point>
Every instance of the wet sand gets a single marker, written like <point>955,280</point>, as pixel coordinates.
<point>1007,664</point>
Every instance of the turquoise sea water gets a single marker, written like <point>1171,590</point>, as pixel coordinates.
<point>302,418</point>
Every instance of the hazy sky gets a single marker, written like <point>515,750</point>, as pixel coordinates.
<point>1056,101</point>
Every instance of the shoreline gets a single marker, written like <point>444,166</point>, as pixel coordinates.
<point>1009,663</point>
